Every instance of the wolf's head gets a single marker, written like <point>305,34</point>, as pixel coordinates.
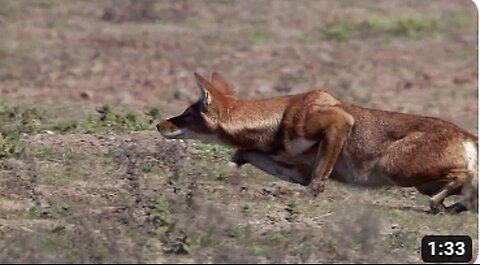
<point>201,119</point>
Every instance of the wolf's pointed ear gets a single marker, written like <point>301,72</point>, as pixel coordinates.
<point>221,85</point>
<point>205,97</point>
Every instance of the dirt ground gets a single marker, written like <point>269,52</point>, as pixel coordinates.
<point>84,177</point>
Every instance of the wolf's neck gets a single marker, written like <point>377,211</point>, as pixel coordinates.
<point>253,124</point>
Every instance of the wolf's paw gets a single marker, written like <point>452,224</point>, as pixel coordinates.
<point>239,158</point>
<point>316,188</point>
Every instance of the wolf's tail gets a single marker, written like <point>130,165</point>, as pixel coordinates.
<point>470,190</point>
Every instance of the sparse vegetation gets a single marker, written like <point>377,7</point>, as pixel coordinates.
<point>18,123</point>
<point>128,11</point>
<point>257,37</point>
<point>293,209</point>
<point>108,120</point>
<point>180,220</point>
<point>395,25</point>
<point>213,150</point>
<point>340,31</point>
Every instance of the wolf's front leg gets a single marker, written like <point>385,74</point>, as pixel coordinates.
<point>327,155</point>
<point>334,125</point>
<point>264,162</point>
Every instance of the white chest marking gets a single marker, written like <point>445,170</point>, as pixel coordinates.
<point>471,155</point>
<point>299,146</point>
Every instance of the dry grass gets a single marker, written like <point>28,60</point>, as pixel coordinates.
<point>143,200</point>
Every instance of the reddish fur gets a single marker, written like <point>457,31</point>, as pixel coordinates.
<point>409,150</point>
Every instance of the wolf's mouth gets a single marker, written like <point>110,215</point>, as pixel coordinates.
<point>174,134</point>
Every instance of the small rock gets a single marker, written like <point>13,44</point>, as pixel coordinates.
<point>325,57</point>
<point>87,95</point>
<point>395,226</point>
<point>263,88</point>
<point>283,88</point>
<point>125,98</point>
<point>408,84</point>
<point>147,83</point>
<point>183,94</point>
<point>183,74</point>
<point>77,71</point>
<point>97,68</point>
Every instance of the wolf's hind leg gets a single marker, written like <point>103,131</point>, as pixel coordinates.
<point>458,179</point>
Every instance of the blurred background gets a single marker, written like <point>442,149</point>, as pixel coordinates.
<point>412,56</point>
<point>85,177</point>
